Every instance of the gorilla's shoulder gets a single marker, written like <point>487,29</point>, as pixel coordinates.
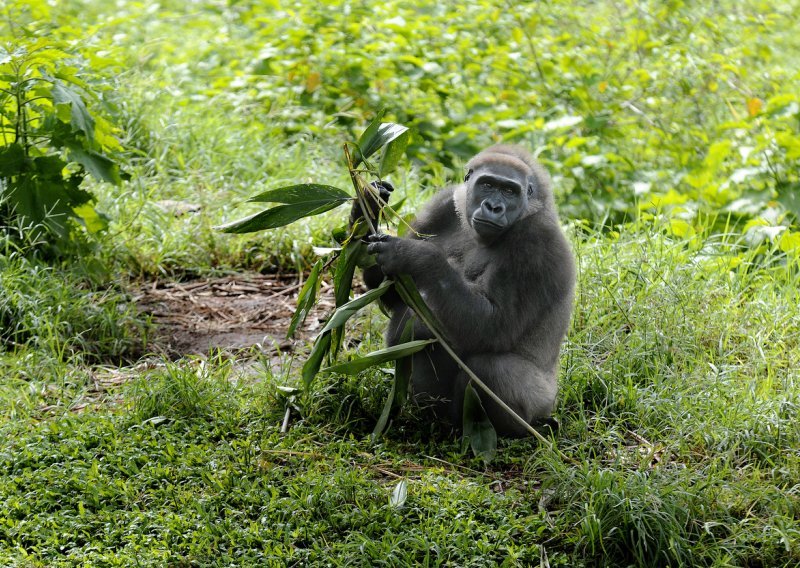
<point>438,214</point>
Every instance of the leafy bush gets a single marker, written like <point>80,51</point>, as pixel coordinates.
<point>49,140</point>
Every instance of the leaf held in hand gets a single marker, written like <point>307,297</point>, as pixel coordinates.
<point>306,298</point>
<point>322,345</point>
<point>378,357</point>
<point>302,200</point>
<point>377,135</point>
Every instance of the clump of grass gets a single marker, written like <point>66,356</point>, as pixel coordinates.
<point>191,390</point>
<point>63,312</point>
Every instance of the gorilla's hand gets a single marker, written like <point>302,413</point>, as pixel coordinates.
<point>403,256</point>
<point>374,203</point>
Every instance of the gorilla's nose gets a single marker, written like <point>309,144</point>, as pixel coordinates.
<point>493,209</point>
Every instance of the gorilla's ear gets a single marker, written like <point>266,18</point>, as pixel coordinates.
<point>531,188</point>
<point>466,177</point>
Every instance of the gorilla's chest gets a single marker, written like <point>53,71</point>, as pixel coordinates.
<point>472,262</point>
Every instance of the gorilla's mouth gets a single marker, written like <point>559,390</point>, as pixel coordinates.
<point>487,224</point>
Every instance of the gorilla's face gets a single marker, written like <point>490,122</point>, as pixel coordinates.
<point>497,195</point>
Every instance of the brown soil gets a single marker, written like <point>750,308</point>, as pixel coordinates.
<point>229,313</point>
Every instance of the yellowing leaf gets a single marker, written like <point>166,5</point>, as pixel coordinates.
<point>789,242</point>
<point>680,228</point>
<point>754,106</point>
<point>602,86</point>
<point>313,81</point>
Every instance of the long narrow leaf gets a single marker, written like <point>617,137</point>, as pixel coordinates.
<point>311,367</point>
<point>306,298</point>
<point>383,419</point>
<point>302,193</point>
<point>402,377</point>
<point>322,345</point>
<point>392,153</point>
<point>378,357</point>
<point>277,217</point>
<point>477,428</point>
<point>344,312</point>
<point>343,283</point>
<point>412,298</point>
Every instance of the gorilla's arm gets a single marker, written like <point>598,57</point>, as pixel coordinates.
<point>492,313</point>
<point>438,215</point>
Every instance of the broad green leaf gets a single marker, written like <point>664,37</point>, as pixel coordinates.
<point>311,367</point>
<point>100,167</point>
<point>477,428</point>
<point>90,218</point>
<point>12,157</point>
<point>277,217</point>
<point>369,134</point>
<point>355,366</point>
<point>386,132</point>
<point>80,119</point>
<point>392,153</point>
<point>303,193</point>
<point>306,298</point>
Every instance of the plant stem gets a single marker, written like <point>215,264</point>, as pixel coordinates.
<point>358,185</point>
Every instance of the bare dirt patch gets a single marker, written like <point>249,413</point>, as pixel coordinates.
<point>229,313</point>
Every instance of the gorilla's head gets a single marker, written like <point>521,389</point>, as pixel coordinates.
<point>502,185</point>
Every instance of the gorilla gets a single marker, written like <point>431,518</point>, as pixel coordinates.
<point>492,262</point>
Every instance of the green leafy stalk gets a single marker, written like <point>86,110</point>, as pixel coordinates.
<point>355,366</point>
<point>306,298</point>
<point>298,201</point>
<point>322,344</point>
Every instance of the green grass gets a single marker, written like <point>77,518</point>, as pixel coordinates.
<point>679,440</point>
<point>678,428</point>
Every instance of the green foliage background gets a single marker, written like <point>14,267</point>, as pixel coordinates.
<point>687,110</point>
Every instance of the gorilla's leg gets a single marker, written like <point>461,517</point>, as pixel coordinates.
<point>527,389</point>
<point>433,383</point>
